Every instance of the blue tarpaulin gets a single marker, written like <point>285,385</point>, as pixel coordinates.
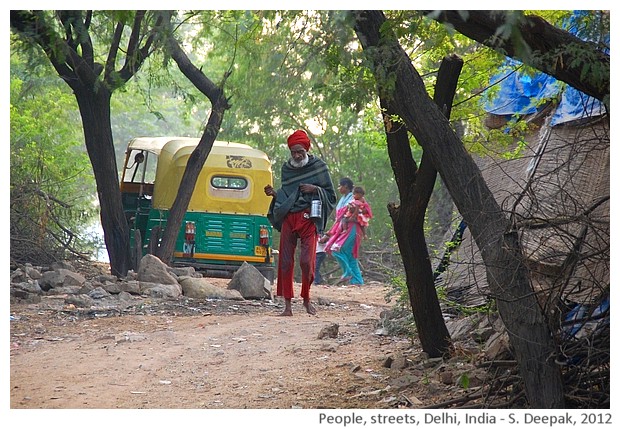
<point>520,93</point>
<point>523,94</point>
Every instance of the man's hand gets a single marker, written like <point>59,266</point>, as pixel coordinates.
<point>269,191</point>
<point>306,188</point>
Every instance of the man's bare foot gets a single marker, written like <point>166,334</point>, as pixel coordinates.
<point>309,307</point>
<point>288,308</point>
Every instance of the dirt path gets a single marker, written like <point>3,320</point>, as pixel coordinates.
<point>228,355</point>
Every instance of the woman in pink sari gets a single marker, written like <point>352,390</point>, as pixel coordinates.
<point>345,236</point>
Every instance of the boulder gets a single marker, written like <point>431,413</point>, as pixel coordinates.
<point>60,277</point>
<point>250,283</point>
<point>153,270</point>
<point>201,288</point>
<point>159,290</point>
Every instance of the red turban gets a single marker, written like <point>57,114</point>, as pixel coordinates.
<point>299,137</point>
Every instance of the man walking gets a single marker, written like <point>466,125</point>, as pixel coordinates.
<point>304,178</point>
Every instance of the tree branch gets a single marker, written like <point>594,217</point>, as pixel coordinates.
<point>193,73</point>
<point>549,46</point>
<point>135,58</point>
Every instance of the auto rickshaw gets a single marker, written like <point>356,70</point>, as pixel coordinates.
<point>226,221</point>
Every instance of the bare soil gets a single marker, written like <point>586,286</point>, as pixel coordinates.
<point>217,355</point>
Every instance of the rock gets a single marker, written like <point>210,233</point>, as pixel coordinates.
<point>405,381</point>
<point>125,296</point>
<point>201,288</point>
<point>330,331</point>
<point>66,265</point>
<point>460,329</point>
<point>32,272</point>
<point>81,301</point>
<point>28,286</point>
<point>19,276</point>
<point>184,272</point>
<point>250,283</point>
<point>24,297</point>
<point>153,270</point>
<point>446,377</point>
<point>60,277</point>
<point>398,362</point>
<point>106,278</point>
<point>98,293</point>
<point>88,286</point>
<point>64,290</point>
<point>498,347</point>
<point>131,286</point>
<point>24,274</point>
<point>158,290</point>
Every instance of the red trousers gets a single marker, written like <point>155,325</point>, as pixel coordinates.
<point>296,227</point>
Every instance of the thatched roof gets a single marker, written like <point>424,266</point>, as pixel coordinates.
<point>558,193</point>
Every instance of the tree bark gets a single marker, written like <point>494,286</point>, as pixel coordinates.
<point>95,112</point>
<point>548,45</point>
<point>506,273</point>
<point>199,156</point>
<point>415,188</point>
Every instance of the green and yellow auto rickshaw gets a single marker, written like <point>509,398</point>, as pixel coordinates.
<point>226,221</point>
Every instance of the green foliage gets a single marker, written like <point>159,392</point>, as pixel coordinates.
<point>302,69</point>
<point>290,70</point>
<point>51,185</point>
<point>463,381</point>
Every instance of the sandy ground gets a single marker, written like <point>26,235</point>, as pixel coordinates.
<point>212,355</point>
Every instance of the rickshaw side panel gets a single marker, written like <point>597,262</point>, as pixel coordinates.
<point>219,242</point>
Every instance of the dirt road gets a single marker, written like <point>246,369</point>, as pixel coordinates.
<point>212,355</point>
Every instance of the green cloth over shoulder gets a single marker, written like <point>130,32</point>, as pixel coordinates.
<point>290,199</point>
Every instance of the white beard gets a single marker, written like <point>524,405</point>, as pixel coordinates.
<point>299,164</point>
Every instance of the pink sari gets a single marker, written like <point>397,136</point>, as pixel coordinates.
<point>340,231</point>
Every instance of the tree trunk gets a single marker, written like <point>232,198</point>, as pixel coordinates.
<point>188,182</point>
<point>95,111</point>
<point>506,272</point>
<point>408,220</point>
<point>415,188</point>
<point>68,44</point>
<point>196,161</point>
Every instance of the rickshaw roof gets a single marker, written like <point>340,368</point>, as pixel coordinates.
<point>178,147</point>
<point>225,158</point>
<point>150,144</point>
<point>174,146</point>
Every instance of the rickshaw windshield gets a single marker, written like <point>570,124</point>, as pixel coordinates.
<point>141,167</point>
